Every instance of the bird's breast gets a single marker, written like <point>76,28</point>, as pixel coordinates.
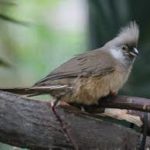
<point>89,90</point>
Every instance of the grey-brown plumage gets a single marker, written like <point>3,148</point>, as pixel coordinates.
<point>94,74</point>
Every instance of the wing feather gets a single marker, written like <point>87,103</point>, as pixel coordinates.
<point>93,63</point>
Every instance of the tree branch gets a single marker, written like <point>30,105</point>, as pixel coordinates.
<point>127,102</point>
<point>32,124</point>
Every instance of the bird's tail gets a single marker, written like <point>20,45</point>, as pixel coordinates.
<point>35,90</point>
<point>22,91</point>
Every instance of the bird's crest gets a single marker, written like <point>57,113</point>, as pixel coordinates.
<point>127,35</point>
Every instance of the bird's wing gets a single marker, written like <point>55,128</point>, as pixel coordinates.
<point>93,63</point>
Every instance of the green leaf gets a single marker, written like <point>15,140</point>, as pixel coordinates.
<point>10,19</point>
<point>3,63</point>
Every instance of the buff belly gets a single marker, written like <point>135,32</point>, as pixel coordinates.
<point>90,90</point>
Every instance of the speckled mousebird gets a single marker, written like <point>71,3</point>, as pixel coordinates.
<point>87,77</point>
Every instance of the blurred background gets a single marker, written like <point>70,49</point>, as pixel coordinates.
<point>37,36</point>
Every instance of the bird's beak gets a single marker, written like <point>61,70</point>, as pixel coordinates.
<point>134,52</point>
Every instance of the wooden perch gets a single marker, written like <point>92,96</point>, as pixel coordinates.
<point>32,124</point>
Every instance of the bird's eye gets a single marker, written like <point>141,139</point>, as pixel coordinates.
<point>125,47</point>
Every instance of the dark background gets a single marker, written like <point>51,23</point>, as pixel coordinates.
<point>106,17</point>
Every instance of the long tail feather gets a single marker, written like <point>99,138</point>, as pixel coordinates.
<point>36,90</point>
<point>22,91</point>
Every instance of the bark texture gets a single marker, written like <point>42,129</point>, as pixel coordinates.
<point>32,124</point>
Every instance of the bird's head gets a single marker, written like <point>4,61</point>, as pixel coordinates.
<point>124,45</point>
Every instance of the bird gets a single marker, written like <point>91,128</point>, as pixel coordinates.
<point>92,75</point>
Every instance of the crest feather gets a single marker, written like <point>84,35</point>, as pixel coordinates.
<point>127,35</point>
<point>130,32</point>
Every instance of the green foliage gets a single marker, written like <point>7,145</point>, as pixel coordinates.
<point>36,49</point>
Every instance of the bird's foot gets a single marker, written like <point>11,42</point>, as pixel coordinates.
<point>112,93</point>
<point>94,108</point>
<point>108,98</point>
